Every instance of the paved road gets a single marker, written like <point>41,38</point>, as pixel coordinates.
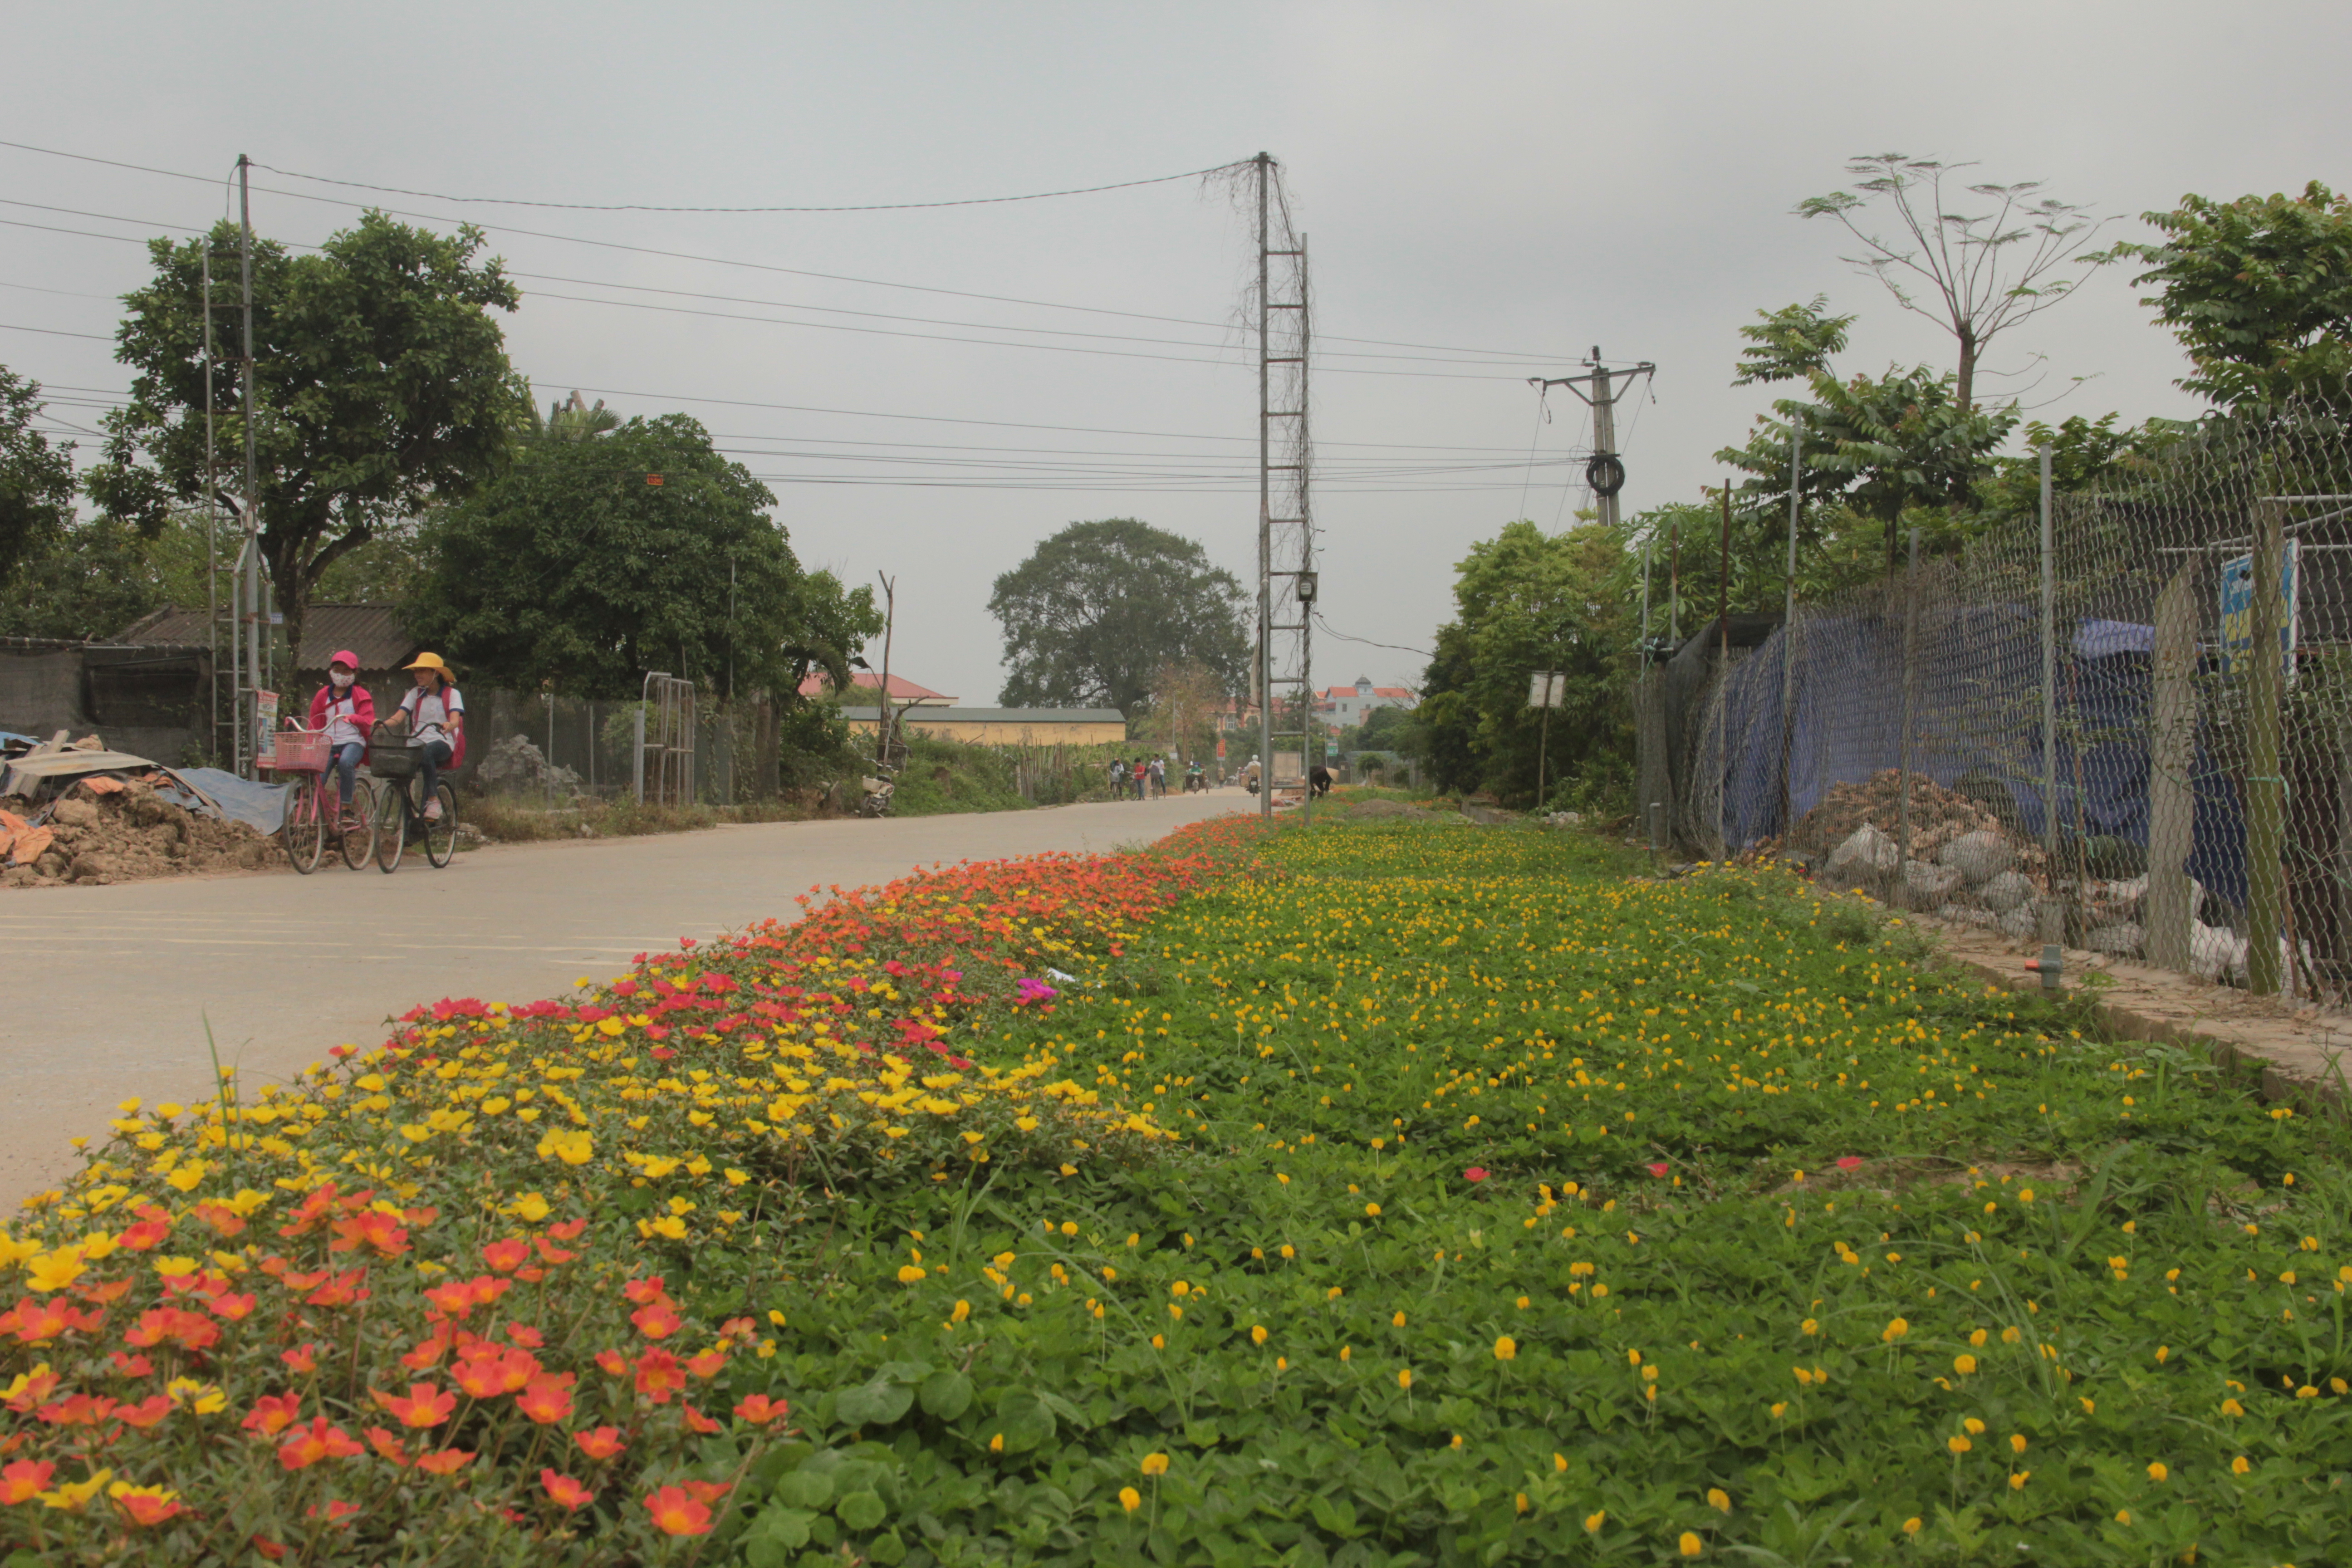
<point>108,990</point>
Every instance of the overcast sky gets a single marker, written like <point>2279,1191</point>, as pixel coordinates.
<point>1490,181</point>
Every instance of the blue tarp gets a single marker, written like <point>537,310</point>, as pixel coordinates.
<point>261,806</point>
<point>1978,710</point>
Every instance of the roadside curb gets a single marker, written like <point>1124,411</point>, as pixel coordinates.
<point>2299,1051</point>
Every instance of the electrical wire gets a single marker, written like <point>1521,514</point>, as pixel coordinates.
<point>1397,647</point>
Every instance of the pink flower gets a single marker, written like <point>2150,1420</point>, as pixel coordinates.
<point>1658,1168</point>
<point>1850,1162</point>
<point>1474,1173</point>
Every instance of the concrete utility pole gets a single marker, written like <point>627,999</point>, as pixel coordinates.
<point>1604,471</point>
<point>254,630</point>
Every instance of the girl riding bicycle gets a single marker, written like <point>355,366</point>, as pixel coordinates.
<point>345,710</point>
<point>435,714</point>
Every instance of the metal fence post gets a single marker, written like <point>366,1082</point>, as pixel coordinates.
<point>638,754</point>
<point>2052,915</point>
<point>2266,912</point>
<point>1903,754</point>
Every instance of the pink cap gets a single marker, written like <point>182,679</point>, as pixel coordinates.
<point>345,656</point>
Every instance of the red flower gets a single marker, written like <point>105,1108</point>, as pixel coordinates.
<point>133,1365</point>
<point>273,1413</point>
<point>427,1353</point>
<point>613,1361</point>
<point>316,1442</point>
<point>147,1506</point>
<point>547,1398</point>
<point>275,1551</point>
<point>24,1480</point>
<point>646,1291</point>
<point>507,1256</point>
<point>759,1409</point>
<point>657,1321</point>
<point>566,1491</point>
<point>148,1413</point>
<point>448,1462</point>
<point>659,1375</point>
<point>390,1446</point>
<point>706,1491</point>
<point>601,1444</point>
<point>695,1421</point>
<point>677,1513</point>
<point>234,1308</point>
<point>1658,1168</point>
<point>708,1364</point>
<point>189,1331</point>
<point>1849,1161</point>
<point>425,1404</point>
<point>79,1410</point>
<point>553,1253</point>
<point>373,1232</point>
<point>524,1334</point>
<point>566,1231</point>
<point>1474,1173</point>
<point>335,1511</point>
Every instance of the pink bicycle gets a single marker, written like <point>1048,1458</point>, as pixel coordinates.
<point>311,803</point>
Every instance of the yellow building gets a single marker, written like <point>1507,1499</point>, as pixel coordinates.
<point>1001,726</point>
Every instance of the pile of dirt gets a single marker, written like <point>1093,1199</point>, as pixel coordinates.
<point>1938,815</point>
<point>119,830</point>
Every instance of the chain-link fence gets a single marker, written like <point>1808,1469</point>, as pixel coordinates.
<point>557,750</point>
<point>2065,732</point>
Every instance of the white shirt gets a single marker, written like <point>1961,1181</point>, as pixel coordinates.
<point>341,706</point>
<point>429,713</point>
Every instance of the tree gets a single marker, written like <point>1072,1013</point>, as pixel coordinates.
<point>1180,713</point>
<point>1527,600</point>
<point>2259,291</point>
<point>588,563</point>
<point>36,477</point>
<point>1792,343</point>
<point>1096,611</point>
<point>381,385</point>
<point>90,580</point>
<point>1982,273</point>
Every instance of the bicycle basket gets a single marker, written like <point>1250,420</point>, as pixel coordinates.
<point>301,751</point>
<point>392,762</point>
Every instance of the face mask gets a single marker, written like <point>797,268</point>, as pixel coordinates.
<point>341,679</point>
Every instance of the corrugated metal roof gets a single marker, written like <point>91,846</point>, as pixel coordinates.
<point>993,715</point>
<point>371,631</point>
<point>901,689</point>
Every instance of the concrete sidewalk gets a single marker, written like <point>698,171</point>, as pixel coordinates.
<point>109,989</point>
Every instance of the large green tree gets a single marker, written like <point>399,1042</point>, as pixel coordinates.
<point>380,385</point>
<point>588,562</point>
<point>1528,601</point>
<point>2259,291</point>
<point>37,477</point>
<point>1096,612</point>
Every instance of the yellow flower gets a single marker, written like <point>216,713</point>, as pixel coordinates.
<point>671,1226</point>
<point>1506,1349</point>
<point>530,1208</point>
<point>574,1146</point>
<point>1895,1330</point>
<point>1397,1320</point>
<point>963,1311</point>
<point>1974,1427</point>
<point>1155,1464</point>
<point>1257,1334</point>
<point>55,1271</point>
<point>1404,1379</point>
<point>2017,1442</point>
<point>909,1274</point>
<point>1964,1364</point>
<point>2157,1472</point>
<point>1130,1499</point>
<point>72,1496</point>
<point>175,1268</point>
<point>1160,1342</point>
<point>1593,1521</point>
<point>1560,1463</point>
<point>2239,1466</point>
<point>2017,1479</point>
<point>1958,1445</point>
<point>1719,1499</point>
<point>2123,1516</point>
<point>1690,1545</point>
<point>1520,1502</point>
<point>2231,1407</point>
<point>996,1444</point>
<point>1911,1525</point>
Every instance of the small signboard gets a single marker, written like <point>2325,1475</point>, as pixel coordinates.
<point>2238,608</point>
<point>1546,688</point>
<point>264,728</point>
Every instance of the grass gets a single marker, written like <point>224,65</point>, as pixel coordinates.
<point>507,819</point>
<point>1411,1191</point>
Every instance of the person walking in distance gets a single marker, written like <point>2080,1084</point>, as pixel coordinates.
<point>435,716</point>
<point>1160,777</point>
<point>1142,779</point>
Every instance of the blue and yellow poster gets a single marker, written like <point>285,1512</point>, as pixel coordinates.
<point>2238,609</point>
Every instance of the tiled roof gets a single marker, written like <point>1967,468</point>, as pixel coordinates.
<point>371,631</point>
<point>866,681</point>
<point>995,715</point>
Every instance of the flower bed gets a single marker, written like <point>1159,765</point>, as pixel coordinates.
<point>1428,1194</point>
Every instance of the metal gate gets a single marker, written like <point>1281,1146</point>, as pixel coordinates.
<point>665,760</point>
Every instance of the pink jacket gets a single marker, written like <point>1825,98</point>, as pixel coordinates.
<point>356,705</point>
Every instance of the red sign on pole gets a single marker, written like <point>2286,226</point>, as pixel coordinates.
<point>1221,748</point>
<point>653,479</point>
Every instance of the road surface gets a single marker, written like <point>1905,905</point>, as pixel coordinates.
<point>109,990</point>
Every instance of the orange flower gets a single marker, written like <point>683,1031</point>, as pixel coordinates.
<point>189,1331</point>
<point>316,1442</point>
<point>601,1444</point>
<point>613,1361</point>
<point>390,1446</point>
<point>708,1364</point>
<point>657,1321</point>
<point>555,1254</point>
<point>273,1413</point>
<point>759,1409</point>
<point>546,1398</point>
<point>659,1375</point>
<point>24,1480</point>
<point>507,1256</point>
<point>425,1404</point>
<point>427,1353</point>
<point>646,1291</point>
<point>233,1307</point>
<point>372,1232</point>
<point>676,1513</point>
<point>147,1506</point>
<point>274,1551</point>
<point>695,1421</point>
<point>446,1462</point>
<point>148,1413</point>
<point>302,1358</point>
<point>566,1491</point>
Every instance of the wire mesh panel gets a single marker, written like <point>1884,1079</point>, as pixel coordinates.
<point>2098,751</point>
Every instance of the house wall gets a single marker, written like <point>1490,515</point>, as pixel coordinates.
<point>1089,732</point>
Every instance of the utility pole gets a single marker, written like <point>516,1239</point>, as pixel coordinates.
<point>1604,471</point>
<point>249,744</point>
<point>889,626</point>
<point>1286,532</point>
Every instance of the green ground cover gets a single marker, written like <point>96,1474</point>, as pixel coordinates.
<point>1517,1209</point>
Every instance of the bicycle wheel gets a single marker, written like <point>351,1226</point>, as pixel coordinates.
<point>441,834</point>
<point>305,830</point>
<point>359,838</point>
<point>391,824</point>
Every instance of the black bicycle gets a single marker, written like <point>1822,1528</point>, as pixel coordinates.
<point>399,818</point>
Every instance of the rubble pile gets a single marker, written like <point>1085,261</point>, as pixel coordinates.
<point>1937,815</point>
<point>107,829</point>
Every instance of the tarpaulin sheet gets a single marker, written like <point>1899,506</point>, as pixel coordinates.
<point>1978,717</point>
<point>261,806</point>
